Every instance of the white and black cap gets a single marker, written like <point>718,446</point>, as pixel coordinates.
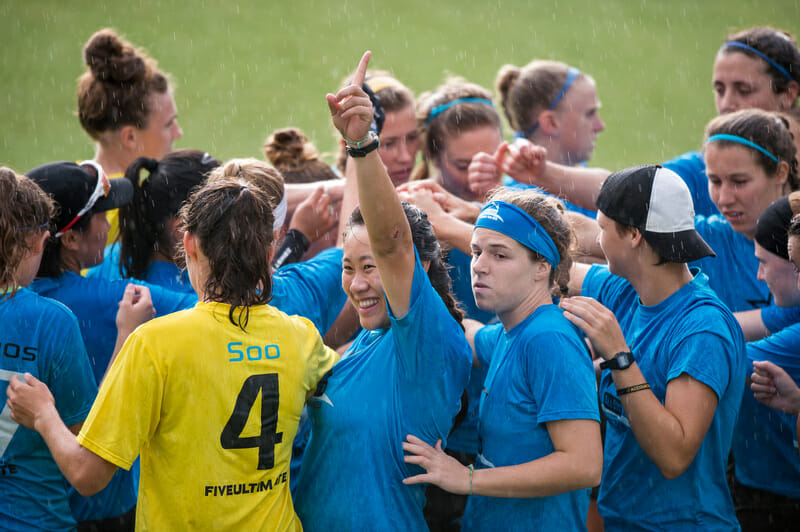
<point>657,202</point>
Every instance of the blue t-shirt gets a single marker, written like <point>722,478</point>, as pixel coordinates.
<point>95,303</point>
<point>39,336</point>
<point>692,169</point>
<point>765,440</point>
<point>539,371</point>
<point>690,332</point>
<point>159,272</point>
<point>312,289</point>
<point>465,438</point>
<point>733,273</point>
<point>510,183</point>
<point>406,379</point>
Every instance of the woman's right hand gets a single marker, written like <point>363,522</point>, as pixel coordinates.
<point>351,108</point>
<point>525,162</point>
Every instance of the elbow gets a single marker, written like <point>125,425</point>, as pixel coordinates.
<point>88,484</point>
<point>673,468</point>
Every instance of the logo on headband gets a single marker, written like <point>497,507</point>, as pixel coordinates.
<point>492,212</point>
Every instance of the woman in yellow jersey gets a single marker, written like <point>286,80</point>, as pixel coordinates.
<point>209,397</point>
<point>125,104</point>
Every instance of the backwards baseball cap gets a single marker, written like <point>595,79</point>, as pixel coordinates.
<point>658,203</point>
<point>80,189</point>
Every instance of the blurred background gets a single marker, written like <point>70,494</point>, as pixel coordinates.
<point>244,68</point>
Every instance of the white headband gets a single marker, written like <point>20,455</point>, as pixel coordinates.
<point>280,213</point>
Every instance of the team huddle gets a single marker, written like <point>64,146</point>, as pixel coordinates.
<point>443,331</point>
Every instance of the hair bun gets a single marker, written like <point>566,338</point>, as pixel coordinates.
<point>113,60</point>
<point>288,147</point>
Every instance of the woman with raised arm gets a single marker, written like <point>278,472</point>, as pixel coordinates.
<point>404,373</point>
<point>188,407</point>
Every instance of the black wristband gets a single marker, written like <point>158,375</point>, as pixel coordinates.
<point>363,151</point>
<point>292,248</point>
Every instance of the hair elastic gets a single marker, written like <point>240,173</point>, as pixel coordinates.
<point>280,213</point>
<point>515,223</point>
<point>743,46</point>
<point>439,109</point>
<point>572,75</point>
<point>744,141</point>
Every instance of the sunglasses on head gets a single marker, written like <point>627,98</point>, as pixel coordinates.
<point>101,189</point>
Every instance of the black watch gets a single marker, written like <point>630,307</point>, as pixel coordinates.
<point>621,360</point>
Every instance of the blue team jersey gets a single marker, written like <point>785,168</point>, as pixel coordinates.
<point>539,371</point>
<point>312,289</point>
<point>765,440</point>
<point>692,169</point>
<point>510,183</point>
<point>159,272</point>
<point>95,304</point>
<point>41,337</point>
<point>406,379</point>
<point>690,332</point>
<point>733,273</point>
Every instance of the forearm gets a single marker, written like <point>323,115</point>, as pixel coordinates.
<point>558,472</point>
<point>575,184</point>
<point>83,469</point>
<point>383,214</point>
<point>454,232</point>
<point>752,325</point>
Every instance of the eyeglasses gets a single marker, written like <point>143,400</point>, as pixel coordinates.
<point>101,189</point>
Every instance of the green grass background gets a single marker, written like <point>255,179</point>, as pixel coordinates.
<point>243,69</point>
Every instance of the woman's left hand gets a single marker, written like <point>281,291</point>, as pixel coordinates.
<point>442,469</point>
<point>351,108</point>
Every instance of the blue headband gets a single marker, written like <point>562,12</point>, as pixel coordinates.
<point>439,109</point>
<point>744,141</point>
<point>515,223</point>
<point>572,75</point>
<point>743,46</point>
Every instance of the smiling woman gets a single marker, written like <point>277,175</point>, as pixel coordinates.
<point>404,373</point>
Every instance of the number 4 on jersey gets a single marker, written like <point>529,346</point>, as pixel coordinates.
<point>269,437</point>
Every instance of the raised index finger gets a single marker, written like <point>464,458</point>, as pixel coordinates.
<point>361,71</point>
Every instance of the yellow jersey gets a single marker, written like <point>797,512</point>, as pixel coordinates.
<point>213,411</point>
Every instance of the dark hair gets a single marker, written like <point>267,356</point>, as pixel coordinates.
<point>428,249</point>
<point>157,198</point>
<point>551,215</point>
<point>232,220</point>
<point>526,92</point>
<point>295,157</point>
<point>768,130</point>
<point>26,209</point>
<point>778,45</point>
<point>114,91</point>
<point>458,119</point>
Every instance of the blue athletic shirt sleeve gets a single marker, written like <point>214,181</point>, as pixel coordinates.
<point>547,363</point>
<point>705,357</point>
<point>486,338</point>
<point>776,318</point>
<point>434,356</point>
<point>312,289</point>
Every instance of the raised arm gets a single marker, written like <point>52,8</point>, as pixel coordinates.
<point>526,163</point>
<point>389,233</point>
